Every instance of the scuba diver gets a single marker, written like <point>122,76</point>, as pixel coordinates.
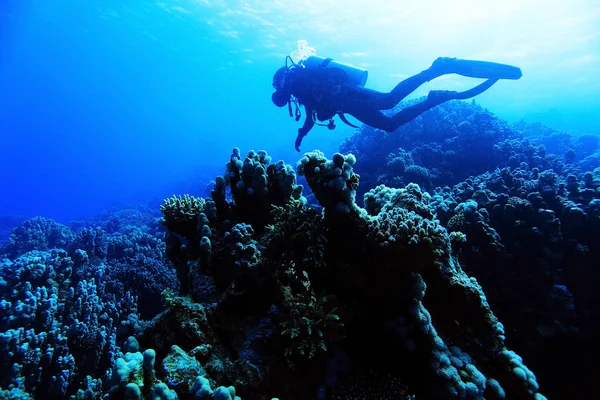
<point>327,88</point>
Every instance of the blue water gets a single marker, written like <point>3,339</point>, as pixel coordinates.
<point>108,108</point>
<point>103,103</point>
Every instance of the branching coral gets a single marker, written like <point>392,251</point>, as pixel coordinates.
<point>181,214</point>
<point>295,248</point>
<point>297,235</point>
<point>310,321</point>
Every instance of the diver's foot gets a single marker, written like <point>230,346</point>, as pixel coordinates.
<point>440,96</point>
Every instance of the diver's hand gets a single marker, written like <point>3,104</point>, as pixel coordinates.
<point>301,134</point>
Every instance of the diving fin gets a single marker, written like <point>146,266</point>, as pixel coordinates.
<point>476,69</point>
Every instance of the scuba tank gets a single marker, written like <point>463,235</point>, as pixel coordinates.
<point>356,76</point>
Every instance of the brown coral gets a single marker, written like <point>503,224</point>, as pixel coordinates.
<point>180,214</point>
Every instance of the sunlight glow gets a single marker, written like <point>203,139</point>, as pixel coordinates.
<point>553,42</point>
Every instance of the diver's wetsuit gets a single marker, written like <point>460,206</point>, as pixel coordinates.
<point>325,91</point>
<point>366,105</point>
<point>318,90</point>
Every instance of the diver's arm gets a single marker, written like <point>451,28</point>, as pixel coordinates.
<point>308,125</point>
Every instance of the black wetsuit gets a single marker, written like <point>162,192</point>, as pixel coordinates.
<point>325,91</point>
<point>315,90</point>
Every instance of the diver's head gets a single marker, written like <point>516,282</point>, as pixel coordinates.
<point>279,79</point>
<point>280,99</point>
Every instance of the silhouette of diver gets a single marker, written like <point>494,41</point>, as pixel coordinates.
<point>330,88</point>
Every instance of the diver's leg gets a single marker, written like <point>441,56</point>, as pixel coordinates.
<point>467,94</point>
<point>387,101</point>
<point>369,115</point>
<point>441,66</point>
<point>409,85</point>
<point>374,118</point>
<point>435,98</point>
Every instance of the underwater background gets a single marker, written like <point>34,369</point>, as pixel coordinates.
<point>470,274</point>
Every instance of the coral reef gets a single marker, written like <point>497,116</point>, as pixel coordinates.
<point>394,288</point>
<point>520,202</point>
<point>59,326</point>
<point>276,294</point>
